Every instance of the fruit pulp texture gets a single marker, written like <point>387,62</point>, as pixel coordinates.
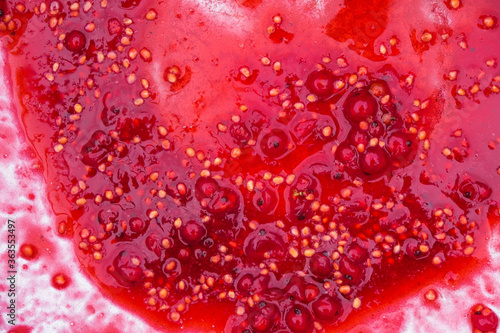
<point>289,168</point>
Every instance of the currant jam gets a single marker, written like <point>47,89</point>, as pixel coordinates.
<point>287,172</point>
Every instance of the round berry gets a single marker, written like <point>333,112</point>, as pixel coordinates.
<point>483,318</point>
<point>205,188</point>
<point>399,144</point>
<point>244,284</point>
<point>274,144</point>
<point>263,316</point>
<point>265,201</point>
<point>327,308</point>
<point>376,129</point>
<point>311,291</point>
<point>360,105</point>
<point>136,224</point>
<point>358,137</point>
<point>268,240</point>
<point>373,161</point>
<point>223,201</point>
<point>357,253</point>
<point>474,191</point>
<point>298,318</point>
<point>379,88</point>
<point>346,153</point>
<point>75,41</point>
<point>413,249</point>
<point>320,265</point>
<point>321,83</point>
<point>126,268</point>
<point>192,232</point>
<point>351,272</point>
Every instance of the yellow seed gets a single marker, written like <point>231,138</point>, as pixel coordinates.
<point>345,289</point>
<point>468,250</point>
<point>430,295</point>
<point>151,15</point>
<point>235,152</point>
<point>426,37</point>
<point>356,303</point>
<point>455,3</point>
<point>81,201</point>
<point>309,252</point>
<point>488,22</point>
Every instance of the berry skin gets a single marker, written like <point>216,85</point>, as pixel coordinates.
<point>483,318</point>
<point>192,232</point>
<point>299,319</point>
<point>399,145</point>
<point>360,105</point>
<point>321,83</point>
<point>320,265</point>
<point>274,144</point>
<point>327,308</point>
<point>75,41</point>
<point>373,161</point>
<point>263,316</point>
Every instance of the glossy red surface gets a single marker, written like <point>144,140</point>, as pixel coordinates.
<point>297,173</point>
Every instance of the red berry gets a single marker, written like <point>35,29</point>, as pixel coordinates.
<point>223,201</point>
<point>263,316</point>
<point>320,83</point>
<point>356,253</point>
<point>274,144</point>
<point>299,318</point>
<point>192,232</point>
<point>373,161</point>
<point>399,144</point>
<point>126,268</point>
<point>153,243</point>
<point>346,153</point>
<point>360,105</point>
<point>483,318</point>
<point>320,265</point>
<point>205,188</point>
<point>327,308</point>
<point>296,287</point>
<point>137,224</point>
<point>75,41</point>
<point>358,137</point>
<point>474,191</point>
<point>376,129</point>
<point>311,292</point>
<point>268,240</point>
<point>244,284</point>
<point>352,272</point>
<point>265,201</point>
<point>412,248</point>
<point>379,88</point>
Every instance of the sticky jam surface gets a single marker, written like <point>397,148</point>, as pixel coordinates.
<point>289,168</point>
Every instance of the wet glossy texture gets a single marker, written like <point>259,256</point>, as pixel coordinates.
<point>292,173</point>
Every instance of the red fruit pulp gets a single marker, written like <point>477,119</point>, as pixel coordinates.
<point>315,162</point>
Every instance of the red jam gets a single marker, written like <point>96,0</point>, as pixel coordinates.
<point>289,174</point>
